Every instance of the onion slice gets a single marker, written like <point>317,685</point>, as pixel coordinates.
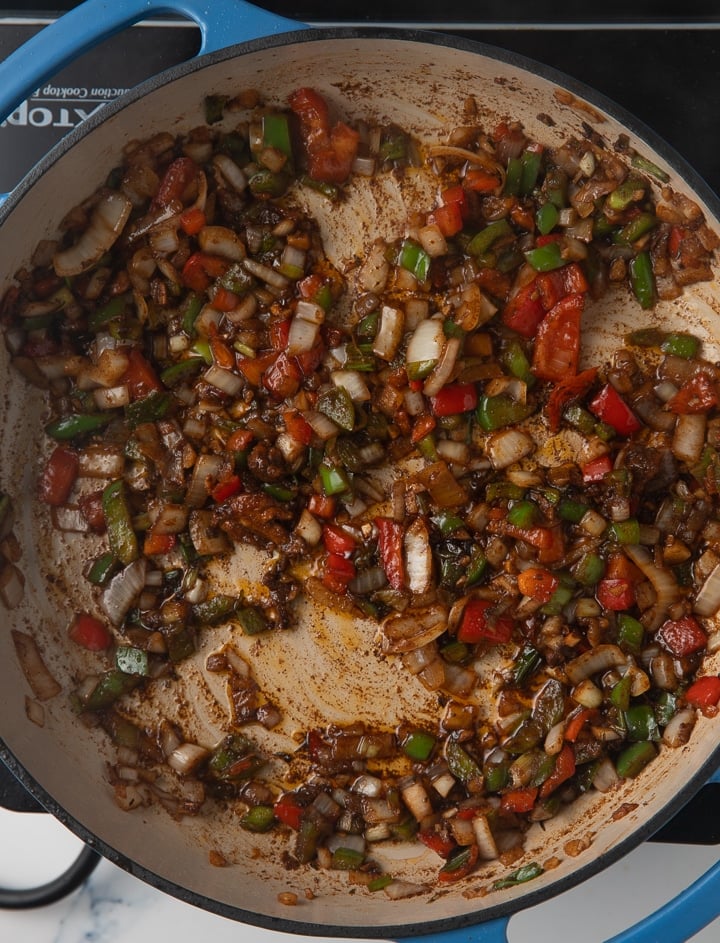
<point>43,685</point>
<point>106,224</point>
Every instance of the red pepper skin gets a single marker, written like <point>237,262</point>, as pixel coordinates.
<point>704,692</point>
<point>698,395</point>
<point>439,841</point>
<point>338,573</point>
<point>201,268</point>
<point>519,800</point>
<point>557,342</point>
<point>298,427</point>
<point>59,476</point>
<point>448,218</point>
<point>177,178</point>
<point>322,506</point>
<point>611,408</point>
<point>564,392</point>
<point>575,723</point>
<point>288,810</point>
<point>479,625</point>
<point>192,220</point>
<point>524,311</point>
<point>564,769</point>
<point>226,488</point>
<point>338,540</point>
<point>390,547</point>
<point>282,378</point>
<point>90,633</point>
<point>596,469</point>
<point>330,151</point>
<point>615,594</point>
<point>683,636</point>
<point>480,181</point>
<point>457,874</point>
<point>158,543</point>
<point>454,399</point>
<point>140,376</point>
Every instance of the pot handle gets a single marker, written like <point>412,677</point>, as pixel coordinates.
<point>221,23</point>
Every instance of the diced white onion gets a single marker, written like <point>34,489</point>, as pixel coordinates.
<point>679,727</point>
<point>230,171</point>
<point>426,343</point>
<point>222,241</point>
<point>689,437</point>
<point>122,590</point>
<point>113,397</point>
<point>106,224</point>
<point>302,336</point>
<point>508,446</point>
<point>352,381</point>
<point>266,274</point>
<point>707,601</point>
<point>390,332</point>
<point>594,661</point>
<point>224,380</point>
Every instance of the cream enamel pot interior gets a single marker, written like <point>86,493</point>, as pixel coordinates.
<point>325,671</point>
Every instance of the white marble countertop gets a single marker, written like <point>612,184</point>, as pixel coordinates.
<point>114,907</point>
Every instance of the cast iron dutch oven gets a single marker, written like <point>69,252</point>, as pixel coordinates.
<point>419,81</point>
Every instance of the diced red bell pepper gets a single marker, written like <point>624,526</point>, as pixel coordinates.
<point>330,150</point>
<point>697,395</point>
<point>239,440</point>
<point>90,633</point>
<point>704,692</point>
<point>538,583</point>
<point>437,840</point>
<point>564,769</point>
<point>226,488</point>
<point>192,220</point>
<point>574,279</point>
<point>140,376</point>
<point>288,810</point>
<point>611,408</point>
<point>480,624</point>
<point>176,179</point>
<point>337,540</point>
<point>524,311</point>
<point>201,268</point>
<point>279,332</point>
<point>224,300</point>
<point>683,636</point>
<point>448,218</point>
<point>552,550</point>
<point>91,508</point>
<point>454,399</point>
<point>615,594</point>
<point>298,427</point>
<point>480,181</point>
<point>542,538</point>
<point>322,506</point>
<point>519,800</point>
<point>157,544</point>
<point>575,723</point>
<point>423,426</point>
<point>390,547</point>
<point>557,342</point>
<point>282,378</point>
<point>449,874</point>
<point>596,469</point>
<point>59,476</point>
<point>253,368</point>
<point>337,573</point>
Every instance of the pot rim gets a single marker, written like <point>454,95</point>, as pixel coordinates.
<point>695,183</point>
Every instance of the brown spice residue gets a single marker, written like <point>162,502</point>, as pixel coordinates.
<point>551,864</point>
<point>576,846</point>
<point>217,859</point>
<point>287,898</point>
<point>625,809</point>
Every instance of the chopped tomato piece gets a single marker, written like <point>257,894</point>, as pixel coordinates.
<point>519,800</point>
<point>615,594</point>
<point>224,300</point>
<point>537,583</point>
<point>683,636</point>
<point>574,279</point>
<point>621,567</point>
<point>330,150</point>
<point>452,195</point>
<point>611,408</point>
<point>696,395</point>
<point>704,692</point>
<point>253,368</point>
<point>390,547</point>
<point>280,333</point>
<point>564,769</point>
<point>90,633</point>
<point>201,268</point>
<point>557,343</point>
<point>480,624</point>
<point>59,476</point>
<point>454,399</point>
